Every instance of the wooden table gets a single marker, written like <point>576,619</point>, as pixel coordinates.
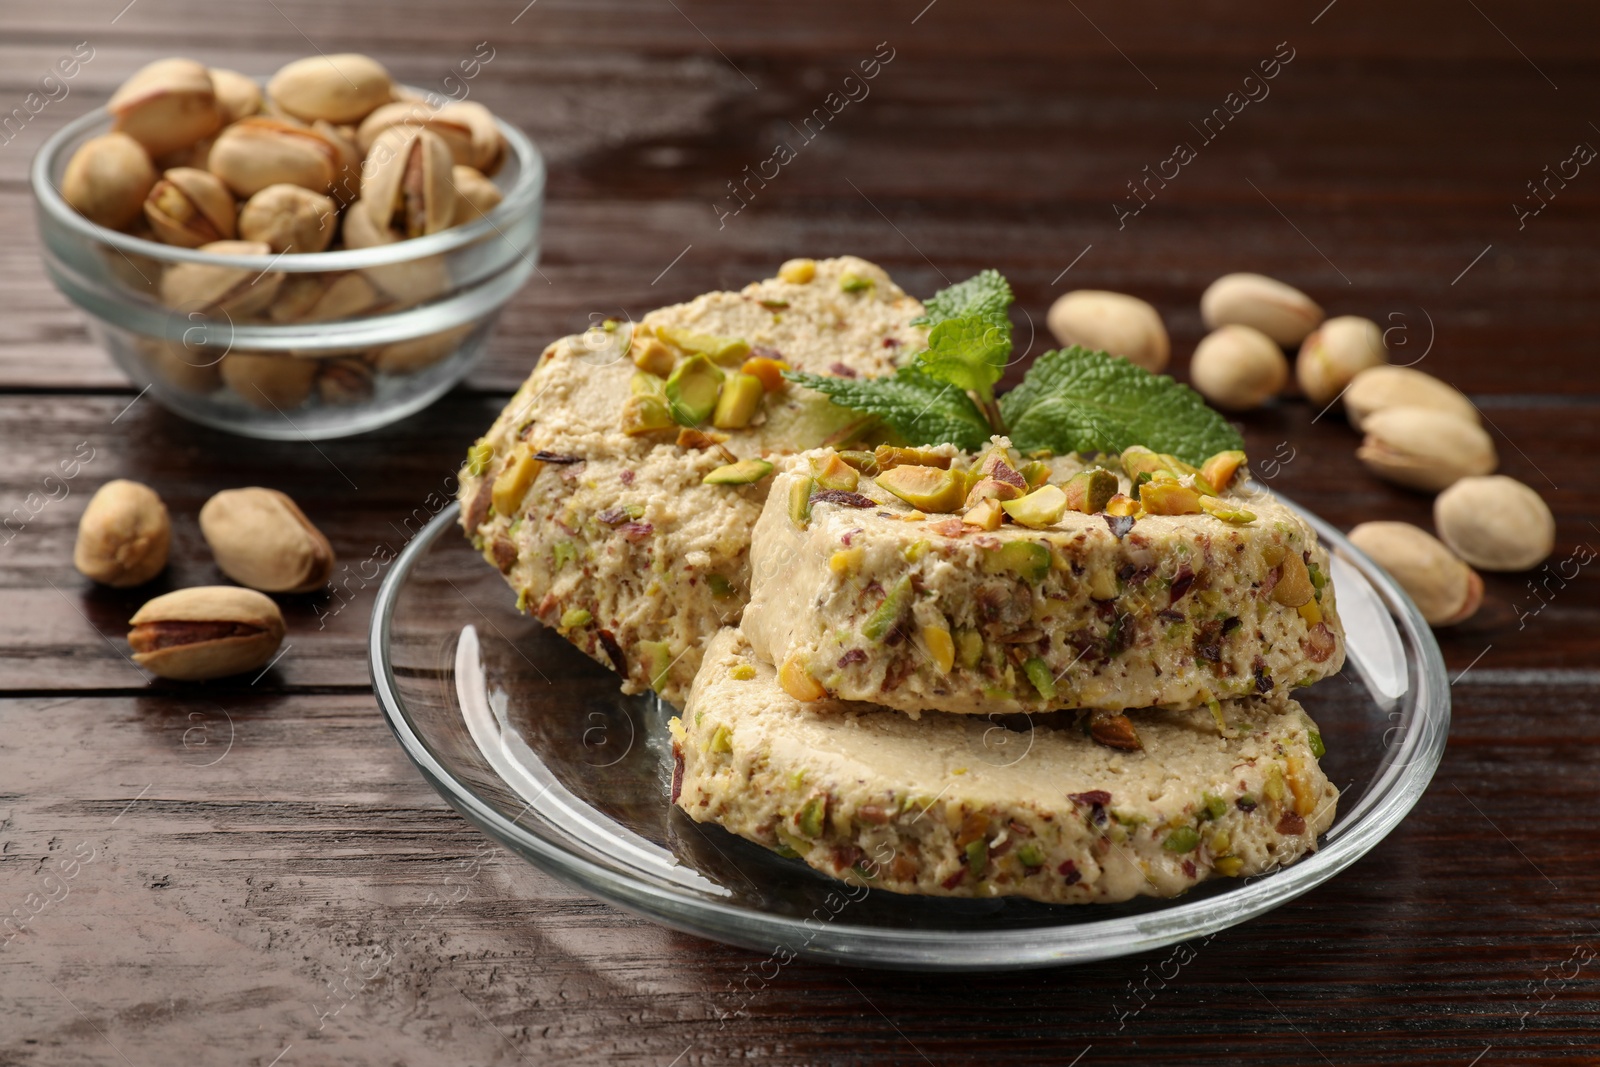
<point>244,856</point>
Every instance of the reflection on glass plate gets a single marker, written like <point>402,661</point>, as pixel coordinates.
<point>532,741</point>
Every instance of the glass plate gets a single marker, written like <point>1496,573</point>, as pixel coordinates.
<point>531,740</point>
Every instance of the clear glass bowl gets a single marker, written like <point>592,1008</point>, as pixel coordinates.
<point>532,741</point>
<point>435,301</point>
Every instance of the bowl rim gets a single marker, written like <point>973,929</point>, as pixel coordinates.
<point>1394,791</point>
<point>517,201</point>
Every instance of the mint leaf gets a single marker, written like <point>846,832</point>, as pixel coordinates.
<point>969,353</point>
<point>920,407</point>
<point>986,294</point>
<point>1074,400</point>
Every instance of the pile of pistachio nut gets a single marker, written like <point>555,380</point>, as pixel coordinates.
<point>332,155</point>
<point>259,537</point>
<point>1419,432</point>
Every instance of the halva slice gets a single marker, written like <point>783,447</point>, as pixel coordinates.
<point>857,594</point>
<point>952,805</point>
<point>617,490</point>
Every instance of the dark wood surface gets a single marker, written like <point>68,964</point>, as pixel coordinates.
<point>256,865</point>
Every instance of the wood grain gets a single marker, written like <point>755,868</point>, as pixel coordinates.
<point>272,882</point>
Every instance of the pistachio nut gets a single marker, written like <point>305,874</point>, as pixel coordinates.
<point>347,176</point>
<point>238,97</point>
<point>488,143</point>
<point>1495,523</point>
<point>289,218</point>
<point>408,282</point>
<point>257,152</point>
<point>344,87</point>
<point>1445,589</point>
<point>167,105</point>
<point>268,381</point>
<point>188,369</point>
<point>1424,449</point>
<point>344,381</point>
<point>324,297</point>
<point>261,539</point>
<point>455,132</point>
<point>1238,367</point>
<point>405,182</point>
<point>123,536</point>
<point>210,631</point>
<point>107,180</point>
<point>1280,311</point>
<point>1335,353</point>
<point>476,195</point>
<point>189,208</point>
<point>1111,322</point>
<point>1377,388</point>
<point>408,357</point>
<point>234,292</point>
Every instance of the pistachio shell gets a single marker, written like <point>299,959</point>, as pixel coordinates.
<point>1495,523</point>
<point>189,208</point>
<point>270,382</point>
<point>257,152</point>
<point>488,144</point>
<point>1378,388</point>
<point>1335,353</point>
<point>186,368</point>
<point>408,357</point>
<point>406,183</point>
<point>167,105</point>
<point>455,132</point>
<point>1111,322</point>
<point>1280,311</point>
<point>234,292</point>
<point>1445,589</point>
<point>107,180</point>
<point>1238,367</point>
<point>346,186</point>
<point>206,632</point>
<point>344,87</point>
<point>289,218</point>
<point>409,282</point>
<point>123,536</point>
<point>238,97</point>
<point>1424,449</point>
<point>344,381</point>
<point>476,195</point>
<point>325,297</point>
<point>263,540</point>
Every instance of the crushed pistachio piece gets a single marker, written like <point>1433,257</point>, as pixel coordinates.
<point>896,602</point>
<point>1041,508</point>
<point>478,457</point>
<point>925,488</point>
<point>738,403</point>
<point>574,617</point>
<point>1183,839</point>
<point>941,647</point>
<point>744,472</point>
<point>713,346</point>
<point>1038,672</point>
<point>692,390</point>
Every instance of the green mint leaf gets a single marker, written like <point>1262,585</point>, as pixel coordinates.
<point>986,294</point>
<point>921,408</point>
<point>1074,400</point>
<point>969,353</point>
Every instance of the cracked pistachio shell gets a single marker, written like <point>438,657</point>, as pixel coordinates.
<point>1280,311</point>
<point>1238,368</point>
<point>1445,589</point>
<point>488,143</point>
<point>289,218</point>
<point>261,539</point>
<point>238,97</point>
<point>455,132</point>
<point>189,208</point>
<point>271,382</point>
<point>167,105</point>
<point>210,631</point>
<point>234,292</point>
<point>325,297</point>
<point>1424,449</point>
<point>107,180</point>
<point>1111,322</point>
<point>406,283</point>
<point>1495,523</point>
<point>344,381</point>
<point>340,88</point>
<point>347,169</point>
<point>1378,388</point>
<point>476,195</point>
<point>406,182</point>
<point>257,152</point>
<point>123,536</point>
<point>1335,353</point>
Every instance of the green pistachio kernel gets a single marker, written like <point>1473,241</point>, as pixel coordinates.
<point>721,740</point>
<point>1318,749</point>
<point>656,659</point>
<point>692,390</point>
<point>895,604</point>
<point>977,857</point>
<point>744,472</point>
<point>1215,807</point>
<point>1031,855</point>
<point>854,283</point>
<point>478,457</point>
<point>742,672</point>
<point>812,816</point>
<point>1038,672</point>
<point>1025,559</point>
<point>1183,839</point>
<point>722,349</point>
<point>563,553</point>
<point>575,617</point>
<point>721,588</point>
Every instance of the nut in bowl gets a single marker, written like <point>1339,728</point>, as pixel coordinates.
<point>248,275</point>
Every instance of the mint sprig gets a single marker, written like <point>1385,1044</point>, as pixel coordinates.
<point>1071,400</point>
